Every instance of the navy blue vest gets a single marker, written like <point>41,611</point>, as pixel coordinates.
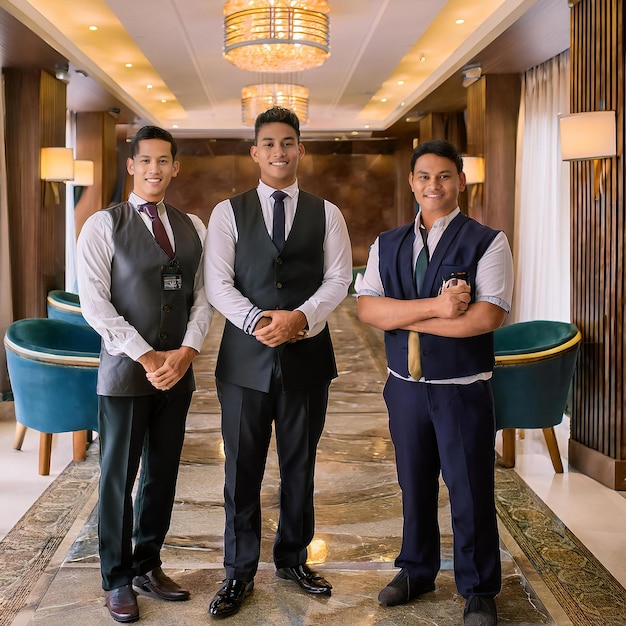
<point>160,316</point>
<point>461,246</point>
<point>273,280</point>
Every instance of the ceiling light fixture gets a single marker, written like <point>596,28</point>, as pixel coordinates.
<point>276,35</point>
<point>471,75</point>
<point>258,98</point>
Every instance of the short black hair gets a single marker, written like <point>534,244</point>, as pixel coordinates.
<point>441,148</point>
<point>152,132</point>
<point>276,114</point>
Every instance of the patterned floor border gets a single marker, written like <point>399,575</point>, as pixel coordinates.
<point>585,589</point>
<point>28,547</point>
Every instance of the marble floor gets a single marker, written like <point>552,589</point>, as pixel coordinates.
<point>358,518</point>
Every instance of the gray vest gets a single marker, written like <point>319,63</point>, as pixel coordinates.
<point>273,280</point>
<point>160,316</point>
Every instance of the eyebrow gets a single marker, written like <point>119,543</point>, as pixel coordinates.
<point>440,172</point>
<point>292,137</point>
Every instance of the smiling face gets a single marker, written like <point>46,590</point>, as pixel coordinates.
<point>152,168</point>
<point>277,152</point>
<point>436,185</point>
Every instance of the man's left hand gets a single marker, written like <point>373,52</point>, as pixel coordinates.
<point>284,326</point>
<point>174,367</point>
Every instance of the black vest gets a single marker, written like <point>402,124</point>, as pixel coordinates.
<point>160,316</point>
<point>273,280</point>
<point>461,246</point>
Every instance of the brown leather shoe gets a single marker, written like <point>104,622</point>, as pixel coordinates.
<point>122,604</point>
<point>155,584</point>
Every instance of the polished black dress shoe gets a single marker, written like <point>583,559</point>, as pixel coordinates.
<point>122,604</point>
<point>155,584</point>
<point>480,611</point>
<point>309,580</point>
<point>404,588</point>
<point>230,597</point>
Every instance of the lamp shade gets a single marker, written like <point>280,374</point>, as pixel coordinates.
<point>83,173</point>
<point>276,35</point>
<point>589,135</point>
<point>57,164</point>
<point>474,168</point>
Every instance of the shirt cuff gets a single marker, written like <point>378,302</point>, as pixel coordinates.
<point>251,320</point>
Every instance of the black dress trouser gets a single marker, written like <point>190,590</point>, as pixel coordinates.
<point>247,417</point>
<point>147,429</point>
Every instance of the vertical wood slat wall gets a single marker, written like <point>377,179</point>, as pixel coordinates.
<point>598,439</point>
<point>35,117</point>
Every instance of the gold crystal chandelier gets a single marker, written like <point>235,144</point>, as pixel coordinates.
<point>276,35</point>
<point>258,98</point>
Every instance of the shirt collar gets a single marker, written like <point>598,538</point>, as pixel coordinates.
<point>266,191</point>
<point>137,201</point>
<point>442,222</point>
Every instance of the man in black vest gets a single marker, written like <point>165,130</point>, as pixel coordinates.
<point>140,278</point>
<point>279,264</point>
<point>439,287</point>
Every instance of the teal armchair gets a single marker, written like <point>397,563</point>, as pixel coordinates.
<point>65,305</point>
<point>535,364</point>
<point>53,367</point>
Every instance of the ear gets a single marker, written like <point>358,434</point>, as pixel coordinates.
<point>175,168</point>
<point>462,181</point>
<point>301,150</point>
<point>253,153</point>
<point>130,166</point>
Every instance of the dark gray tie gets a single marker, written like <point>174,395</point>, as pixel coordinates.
<point>278,223</point>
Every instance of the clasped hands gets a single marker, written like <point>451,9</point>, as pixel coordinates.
<point>165,368</point>
<point>277,327</point>
<point>454,300</point>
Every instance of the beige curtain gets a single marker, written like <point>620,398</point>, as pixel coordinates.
<point>542,213</point>
<point>6,301</point>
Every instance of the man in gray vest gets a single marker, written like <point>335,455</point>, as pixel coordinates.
<point>140,278</point>
<point>278,263</point>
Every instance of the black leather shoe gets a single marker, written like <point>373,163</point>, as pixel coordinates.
<point>155,584</point>
<point>122,604</point>
<point>230,597</point>
<point>404,588</point>
<point>310,581</point>
<point>480,611</point>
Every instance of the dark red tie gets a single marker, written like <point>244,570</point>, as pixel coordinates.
<point>157,226</point>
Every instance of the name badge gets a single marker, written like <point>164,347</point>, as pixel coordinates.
<point>171,277</point>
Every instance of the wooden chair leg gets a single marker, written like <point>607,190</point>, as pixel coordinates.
<point>45,450</point>
<point>553,449</point>
<point>79,443</point>
<point>508,447</point>
<point>20,433</point>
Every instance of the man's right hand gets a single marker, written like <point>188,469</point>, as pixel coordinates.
<point>453,301</point>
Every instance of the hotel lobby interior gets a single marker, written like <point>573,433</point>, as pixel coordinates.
<point>399,73</point>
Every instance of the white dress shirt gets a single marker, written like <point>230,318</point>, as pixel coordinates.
<point>220,262</point>
<point>95,249</point>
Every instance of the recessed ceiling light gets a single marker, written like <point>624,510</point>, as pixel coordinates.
<point>422,58</point>
<point>148,86</point>
<point>128,64</point>
<point>163,100</point>
<point>460,22</point>
<point>93,28</point>
<point>354,132</point>
<point>383,99</point>
<point>400,82</point>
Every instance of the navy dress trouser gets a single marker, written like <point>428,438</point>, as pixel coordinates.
<point>149,430</point>
<point>448,429</point>
<point>298,417</point>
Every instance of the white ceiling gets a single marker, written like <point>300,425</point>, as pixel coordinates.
<point>176,46</point>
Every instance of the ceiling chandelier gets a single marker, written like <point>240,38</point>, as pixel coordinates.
<point>256,99</point>
<point>276,35</point>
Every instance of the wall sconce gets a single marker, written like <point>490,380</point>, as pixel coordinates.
<point>56,166</point>
<point>589,135</point>
<point>474,170</point>
<point>83,173</point>
<point>83,177</point>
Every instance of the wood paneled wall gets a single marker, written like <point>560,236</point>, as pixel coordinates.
<point>35,118</point>
<point>598,425</point>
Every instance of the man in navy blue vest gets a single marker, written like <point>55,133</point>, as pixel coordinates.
<point>140,278</point>
<point>278,263</point>
<point>439,287</point>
